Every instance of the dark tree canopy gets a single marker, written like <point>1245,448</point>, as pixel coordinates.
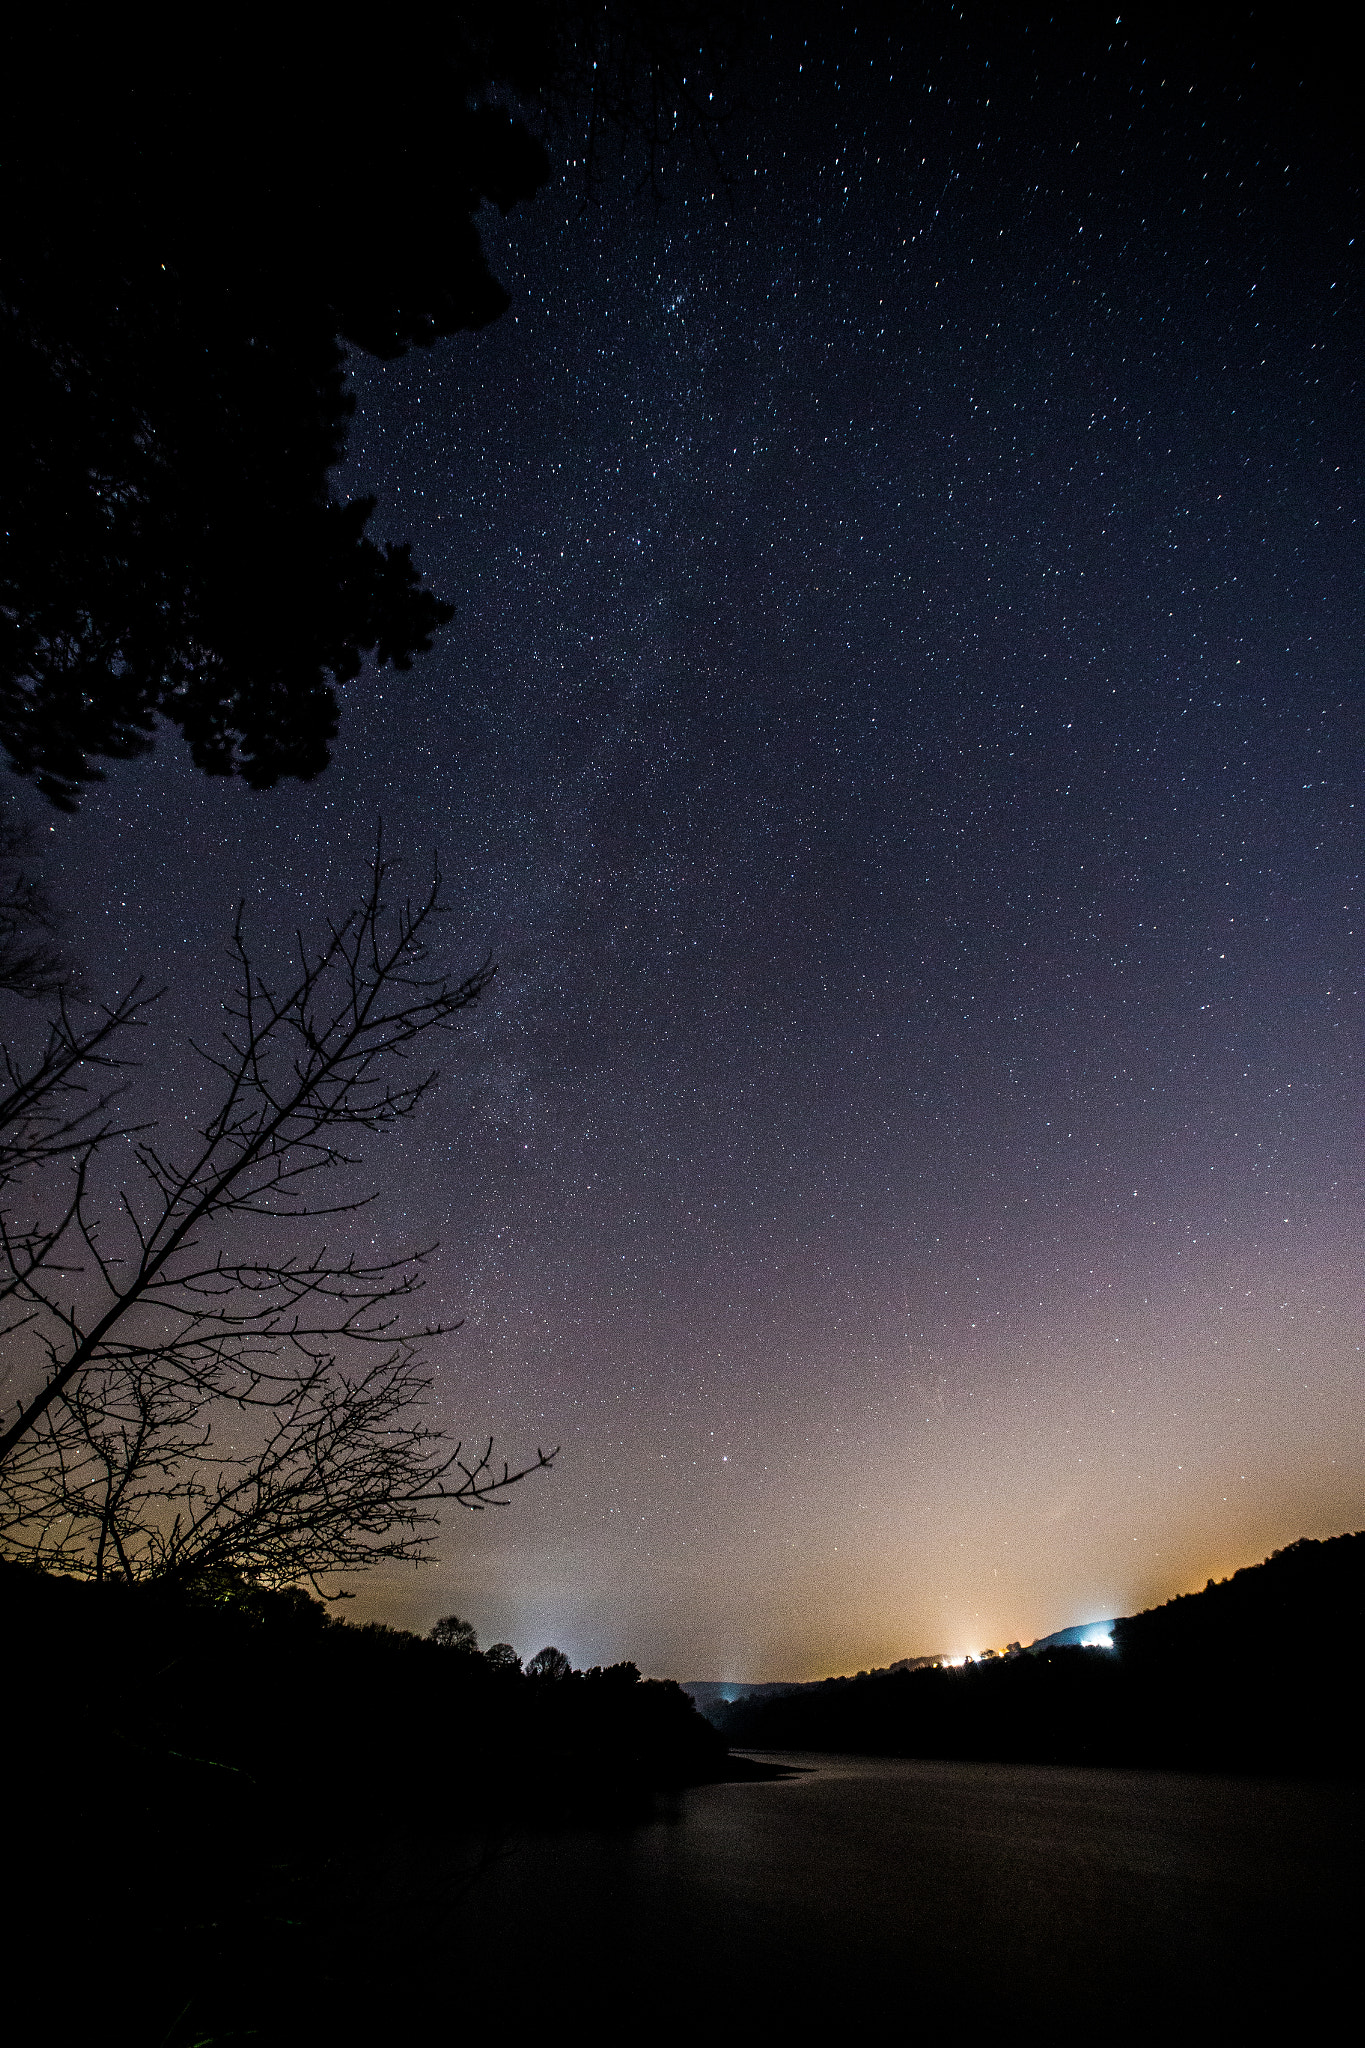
<point>550,1665</point>
<point>453,1634</point>
<point>186,247</point>
<point>193,228</point>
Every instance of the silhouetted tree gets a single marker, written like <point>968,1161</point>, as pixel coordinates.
<point>549,1664</point>
<point>195,230</point>
<point>453,1634</point>
<point>31,963</point>
<point>191,1396</point>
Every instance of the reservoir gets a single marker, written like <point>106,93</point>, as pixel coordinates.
<point>866,1891</point>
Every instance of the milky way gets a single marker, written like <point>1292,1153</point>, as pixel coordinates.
<point>901,741</point>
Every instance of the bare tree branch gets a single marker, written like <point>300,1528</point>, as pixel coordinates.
<point>188,1404</point>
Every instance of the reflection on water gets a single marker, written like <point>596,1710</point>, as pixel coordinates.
<point>872,1890</point>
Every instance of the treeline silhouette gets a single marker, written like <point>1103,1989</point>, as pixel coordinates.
<point>217,1674</point>
<point>234,1817</point>
<point>1260,1673</point>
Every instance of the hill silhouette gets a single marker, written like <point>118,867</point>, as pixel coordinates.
<point>1259,1673</point>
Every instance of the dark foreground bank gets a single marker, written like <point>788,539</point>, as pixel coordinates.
<point>221,1806</point>
<point>269,1687</point>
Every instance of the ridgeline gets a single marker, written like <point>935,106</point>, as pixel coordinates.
<point>1259,1673</point>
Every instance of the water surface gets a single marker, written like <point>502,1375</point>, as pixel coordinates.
<point>884,1891</point>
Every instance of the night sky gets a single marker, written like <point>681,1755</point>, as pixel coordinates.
<point>901,741</point>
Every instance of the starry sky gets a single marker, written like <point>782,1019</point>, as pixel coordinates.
<point>901,741</point>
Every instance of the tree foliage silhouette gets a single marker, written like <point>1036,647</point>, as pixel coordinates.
<point>453,1634</point>
<point>31,963</point>
<point>179,273</point>
<point>195,231</point>
<point>549,1665</point>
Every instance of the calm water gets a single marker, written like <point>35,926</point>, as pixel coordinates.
<point>891,1892</point>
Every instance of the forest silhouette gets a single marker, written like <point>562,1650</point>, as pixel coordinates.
<point>218,1780</point>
